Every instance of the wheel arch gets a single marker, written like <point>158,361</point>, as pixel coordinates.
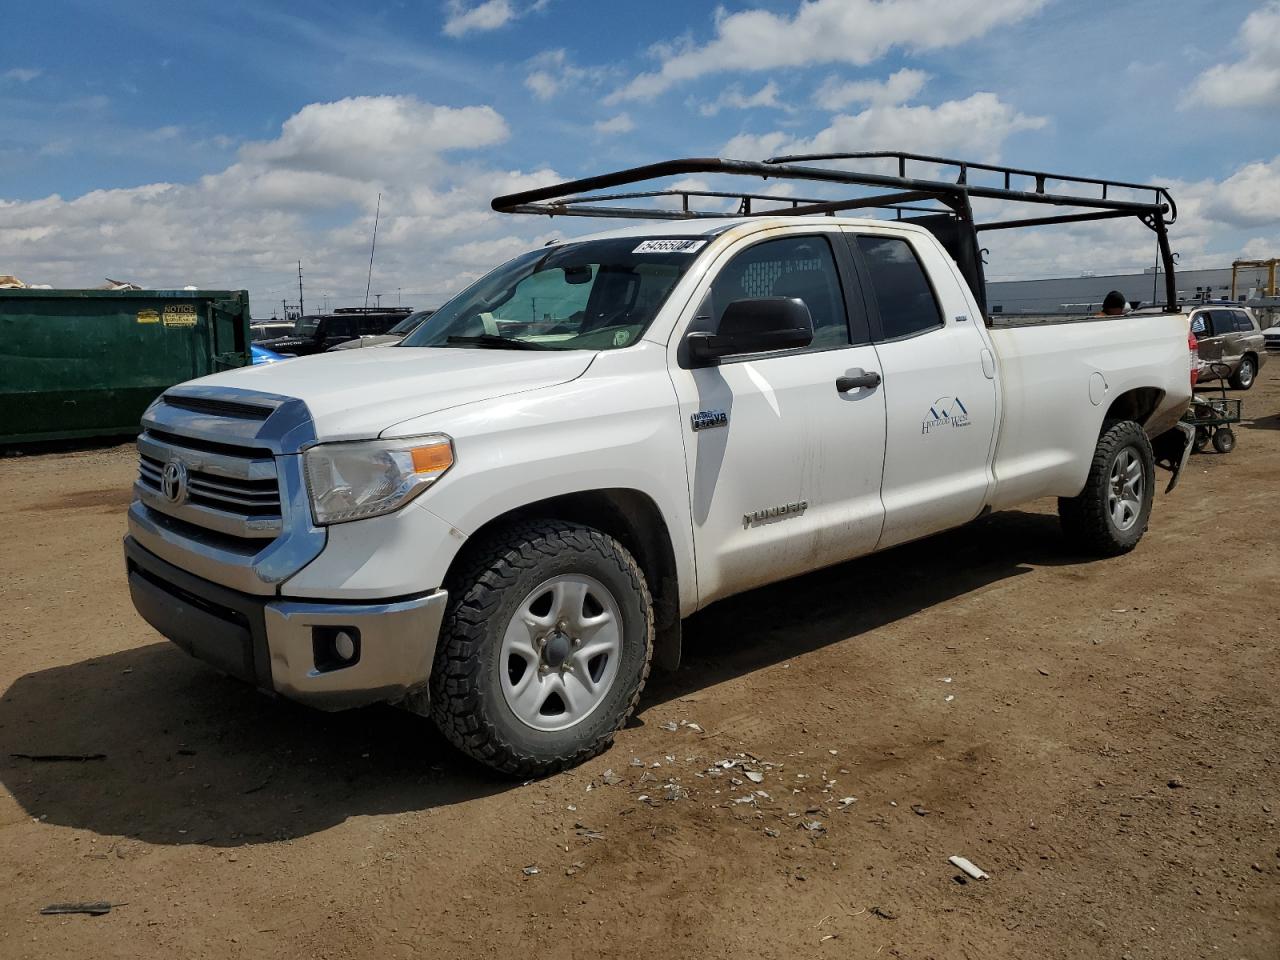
<point>1137,405</point>
<point>632,518</point>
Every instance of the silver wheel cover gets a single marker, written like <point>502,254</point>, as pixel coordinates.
<point>1125,489</point>
<point>561,652</point>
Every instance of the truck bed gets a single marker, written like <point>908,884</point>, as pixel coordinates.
<point>1047,362</point>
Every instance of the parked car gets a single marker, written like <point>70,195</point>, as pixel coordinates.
<point>1271,337</point>
<point>1228,335</point>
<point>391,337</point>
<point>263,355</point>
<point>502,521</point>
<point>260,330</point>
<point>317,334</point>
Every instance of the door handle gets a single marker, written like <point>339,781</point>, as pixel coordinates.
<point>863,380</point>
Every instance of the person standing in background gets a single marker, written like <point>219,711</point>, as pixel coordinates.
<point>1114,305</point>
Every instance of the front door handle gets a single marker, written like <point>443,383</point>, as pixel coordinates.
<point>868,380</point>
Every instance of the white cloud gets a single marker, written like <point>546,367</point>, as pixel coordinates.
<point>307,194</point>
<point>975,127</point>
<point>363,136</point>
<point>824,31</point>
<point>1250,197</point>
<point>1217,222</point>
<point>1260,248</point>
<point>734,98</point>
<point>489,15</point>
<point>1254,79</point>
<point>21,74</point>
<point>622,123</point>
<point>897,88</point>
<point>552,72</point>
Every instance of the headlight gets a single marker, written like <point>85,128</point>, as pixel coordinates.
<point>351,481</point>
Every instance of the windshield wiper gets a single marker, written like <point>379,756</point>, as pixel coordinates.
<point>497,342</point>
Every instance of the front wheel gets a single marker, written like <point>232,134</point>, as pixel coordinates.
<point>1244,377</point>
<point>1224,440</point>
<point>1110,514</point>
<point>544,650</point>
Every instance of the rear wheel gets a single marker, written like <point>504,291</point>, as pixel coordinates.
<point>1245,375</point>
<point>544,650</point>
<point>1203,435</point>
<point>1224,440</point>
<point>1110,514</point>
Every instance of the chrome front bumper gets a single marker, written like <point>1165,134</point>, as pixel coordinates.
<point>280,645</point>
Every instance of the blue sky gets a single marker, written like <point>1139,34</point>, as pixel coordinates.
<point>220,145</point>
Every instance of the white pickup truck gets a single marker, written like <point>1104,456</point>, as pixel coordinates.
<point>503,520</point>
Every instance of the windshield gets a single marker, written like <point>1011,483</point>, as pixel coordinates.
<point>305,326</point>
<point>595,295</point>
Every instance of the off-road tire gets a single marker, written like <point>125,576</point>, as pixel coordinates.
<point>1086,521</point>
<point>1245,378</point>
<point>467,702</point>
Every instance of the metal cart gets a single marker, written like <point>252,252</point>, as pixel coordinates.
<point>1212,416</point>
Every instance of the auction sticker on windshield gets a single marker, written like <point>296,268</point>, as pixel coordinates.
<point>670,246</point>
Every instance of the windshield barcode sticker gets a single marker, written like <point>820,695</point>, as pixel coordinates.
<point>670,246</point>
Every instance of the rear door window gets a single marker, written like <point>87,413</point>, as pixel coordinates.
<point>342,327</point>
<point>902,290</point>
<point>1222,322</point>
<point>1243,323</point>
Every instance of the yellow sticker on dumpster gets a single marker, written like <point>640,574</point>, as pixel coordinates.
<point>148,316</point>
<point>179,314</point>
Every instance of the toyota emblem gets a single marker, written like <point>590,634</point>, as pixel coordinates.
<point>173,481</point>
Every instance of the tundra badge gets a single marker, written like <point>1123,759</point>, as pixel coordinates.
<point>706,419</point>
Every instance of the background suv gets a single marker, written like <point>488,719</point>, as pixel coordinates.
<point>1228,335</point>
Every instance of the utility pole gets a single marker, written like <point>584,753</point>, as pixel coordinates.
<point>397,296</point>
<point>300,310</point>
<point>284,309</point>
<point>373,245</point>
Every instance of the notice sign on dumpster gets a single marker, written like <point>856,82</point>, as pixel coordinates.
<point>179,315</point>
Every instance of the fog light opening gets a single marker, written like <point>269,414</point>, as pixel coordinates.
<point>335,647</point>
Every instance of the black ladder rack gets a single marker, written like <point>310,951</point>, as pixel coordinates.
<point>906,193</point>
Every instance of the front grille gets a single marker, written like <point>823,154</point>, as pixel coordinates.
<point>230,490</point>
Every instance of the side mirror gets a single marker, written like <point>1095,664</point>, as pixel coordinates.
<point>756,325</point>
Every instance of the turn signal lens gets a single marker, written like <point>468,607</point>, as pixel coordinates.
<point>434,458</point>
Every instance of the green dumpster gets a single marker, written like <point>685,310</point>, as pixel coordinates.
<point>84,363</point>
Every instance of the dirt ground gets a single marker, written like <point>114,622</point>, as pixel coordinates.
<point>1101,737</point>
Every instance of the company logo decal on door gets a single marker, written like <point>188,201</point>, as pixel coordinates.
<point>945,412</point>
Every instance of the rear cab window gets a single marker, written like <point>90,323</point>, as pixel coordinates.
<point>903,294</point>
